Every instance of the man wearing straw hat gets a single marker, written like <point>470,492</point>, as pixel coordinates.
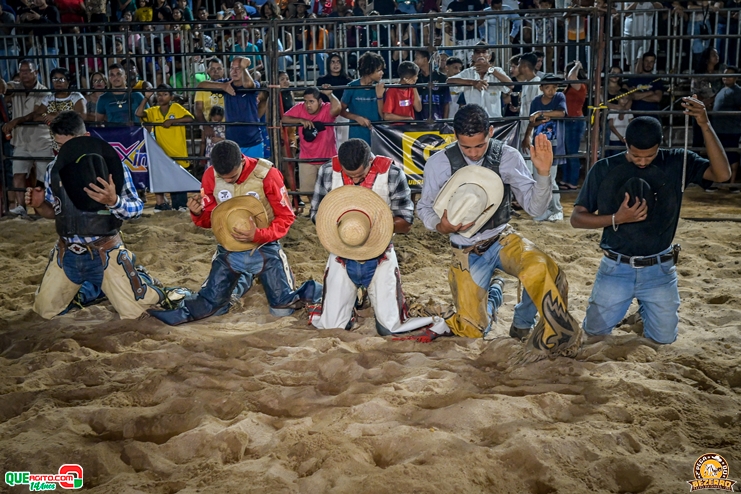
<point>467,192</point>
<point>360,201</point>
<point>635,198</point>
<point>243,200</point>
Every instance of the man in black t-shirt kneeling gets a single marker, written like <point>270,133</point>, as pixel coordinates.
<point>635,197</point>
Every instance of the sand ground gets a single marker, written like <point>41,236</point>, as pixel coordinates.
<point>251,403</point>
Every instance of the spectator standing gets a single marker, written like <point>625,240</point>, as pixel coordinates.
<point>97,12</point>
<point>28,140</point>
<point>638,21</point>
<point>336,76</point>
<point>649,87</point>
<point>526,71</point>
<point>117,106</point>
<point>46,34</point>
<point>170,136</point>
<point>512,100</point>
<point>466,30</point>
<point>360,101</point>
<point>576,95</point>
<point>143,13</point>
<point>9,47</point>
<point>240,104</point>
<point>217,130</point>
<point>616,86</point>
<point>316,141</point>
<point>62,99</point>
<point>440,94</point>
<point>453,67</point>
<point>546,117</point>
<point>706,87</point>
<point>482,83</point>
<point>401,103</point>
<point>618,123</point>
<point>205,100</point>
<point>500,29</point>
<point>729,99</point>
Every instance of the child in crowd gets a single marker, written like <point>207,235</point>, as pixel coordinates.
<point>143,14</point>
<point>169,136</point>
<point>543,109</point>
<point>216,117</point>
<point>453,67</point>
<point>618,123</point>
<point>401,103</point>
<point>362,102</point>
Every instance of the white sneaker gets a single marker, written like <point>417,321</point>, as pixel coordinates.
<point>19,211</point>
<point>555,217</point>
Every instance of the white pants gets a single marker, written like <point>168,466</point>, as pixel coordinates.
<point>340,294</point>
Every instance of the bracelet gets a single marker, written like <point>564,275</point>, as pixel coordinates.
<point>614,226</point>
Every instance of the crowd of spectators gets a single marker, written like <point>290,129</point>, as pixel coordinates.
<point>152,62</point>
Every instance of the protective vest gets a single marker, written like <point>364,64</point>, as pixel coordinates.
<point>377,179</point>
<point>492,159</point>
<point>70,221</point>
<point>253,186</point>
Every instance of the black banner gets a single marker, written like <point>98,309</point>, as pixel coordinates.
<point>411,145</point>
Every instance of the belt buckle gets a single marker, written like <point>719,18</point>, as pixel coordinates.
<point>633,264</point>
<point>76,248</point>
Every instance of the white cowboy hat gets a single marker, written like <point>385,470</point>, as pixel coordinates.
<point>355,223</point>
<point>236,213</point>
<point>472,194</point>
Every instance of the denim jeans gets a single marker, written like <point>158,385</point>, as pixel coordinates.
<point>482,269</point>
<point>574,133</point>
<point>615,287</point>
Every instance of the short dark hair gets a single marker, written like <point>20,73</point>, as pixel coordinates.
<point>116,66</point>
<point>63,72</point>
<point>529,59</point>
<point>407,69</point>
<point>733,69</point>
<point>470,120</point>
<point>648,54</point>
<point>539,53</point>
<point>226,156</point>
<point>213,60</point>
<point>68,123</point>
<point>514,59</point>
<point>453,61</point>
<point>369,63</point>
<point>423,53</point>
<point>164,88</point>
<point>29,62</point>
<point>216,111</point>
<point>313,91</point>
<point>644,133</point>
<point>354,154</point>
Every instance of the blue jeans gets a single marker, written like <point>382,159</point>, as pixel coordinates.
<point>482,269</point>
<point>615,287</point>
<point>574,132</point>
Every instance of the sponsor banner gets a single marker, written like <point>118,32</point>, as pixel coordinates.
<point>150,167</point>
<point>411,145</point>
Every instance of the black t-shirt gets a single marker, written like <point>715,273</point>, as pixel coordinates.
<point>647,83</point>
<point>333,80</point>
<point>384,7</point>
<point>466,29</point>
<point>623,241</point>
<point>440,95</point>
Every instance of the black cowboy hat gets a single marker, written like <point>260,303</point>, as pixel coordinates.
<point>80,162</point>
<point>312,133</point>
<point>649,183</point>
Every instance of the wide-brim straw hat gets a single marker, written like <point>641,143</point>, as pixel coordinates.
<point>354,223</point>
<point>236,213</point>
<point>472,194</point>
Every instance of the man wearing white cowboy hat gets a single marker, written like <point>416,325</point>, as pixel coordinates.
<point>359,202</point>
<point>246,204</point>
<point>466,194</point>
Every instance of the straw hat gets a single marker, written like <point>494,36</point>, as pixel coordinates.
<point>355,223</point>
<point>472,194</point>
<point>236,213</point>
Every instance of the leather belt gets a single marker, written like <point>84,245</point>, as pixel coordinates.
<point>638,261</point>
<point>478,248</point>
<point>101,246</point>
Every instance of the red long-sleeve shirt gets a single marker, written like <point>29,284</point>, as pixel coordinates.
<point>275,191</point>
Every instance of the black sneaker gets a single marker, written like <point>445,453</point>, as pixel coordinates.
<point>518,333</point>
<point>162,207</point>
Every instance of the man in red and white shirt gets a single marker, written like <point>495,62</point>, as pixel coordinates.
<point>231,175</point>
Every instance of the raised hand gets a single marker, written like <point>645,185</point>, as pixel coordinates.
<point>541,154</point>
